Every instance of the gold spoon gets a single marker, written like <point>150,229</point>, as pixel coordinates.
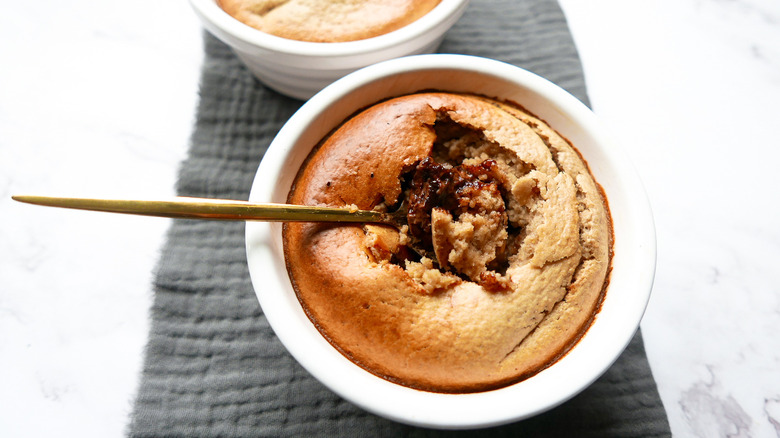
<point>218,209</point>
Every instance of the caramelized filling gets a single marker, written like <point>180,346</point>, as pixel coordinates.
<point>454,189</point>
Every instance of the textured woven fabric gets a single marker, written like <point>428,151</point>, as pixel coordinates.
<point>213,367</point>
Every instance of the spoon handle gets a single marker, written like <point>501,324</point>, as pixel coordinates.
<point>214,209</point>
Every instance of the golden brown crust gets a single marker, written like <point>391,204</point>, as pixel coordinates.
<point>412,324</point>
<point>327,20</point>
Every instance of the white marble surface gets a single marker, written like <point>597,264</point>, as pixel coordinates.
<point>97,99</point>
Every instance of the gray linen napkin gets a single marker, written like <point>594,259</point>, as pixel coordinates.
<point>213,367</point>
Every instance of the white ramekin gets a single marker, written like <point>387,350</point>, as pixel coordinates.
<point>634,249</point>
<point>299,69</point>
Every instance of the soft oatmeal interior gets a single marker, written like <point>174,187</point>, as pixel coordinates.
<point>501,266</point>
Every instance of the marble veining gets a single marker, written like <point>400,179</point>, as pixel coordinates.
<point>772,411</point>
<point>98,100</point>
<point>712,414</point>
